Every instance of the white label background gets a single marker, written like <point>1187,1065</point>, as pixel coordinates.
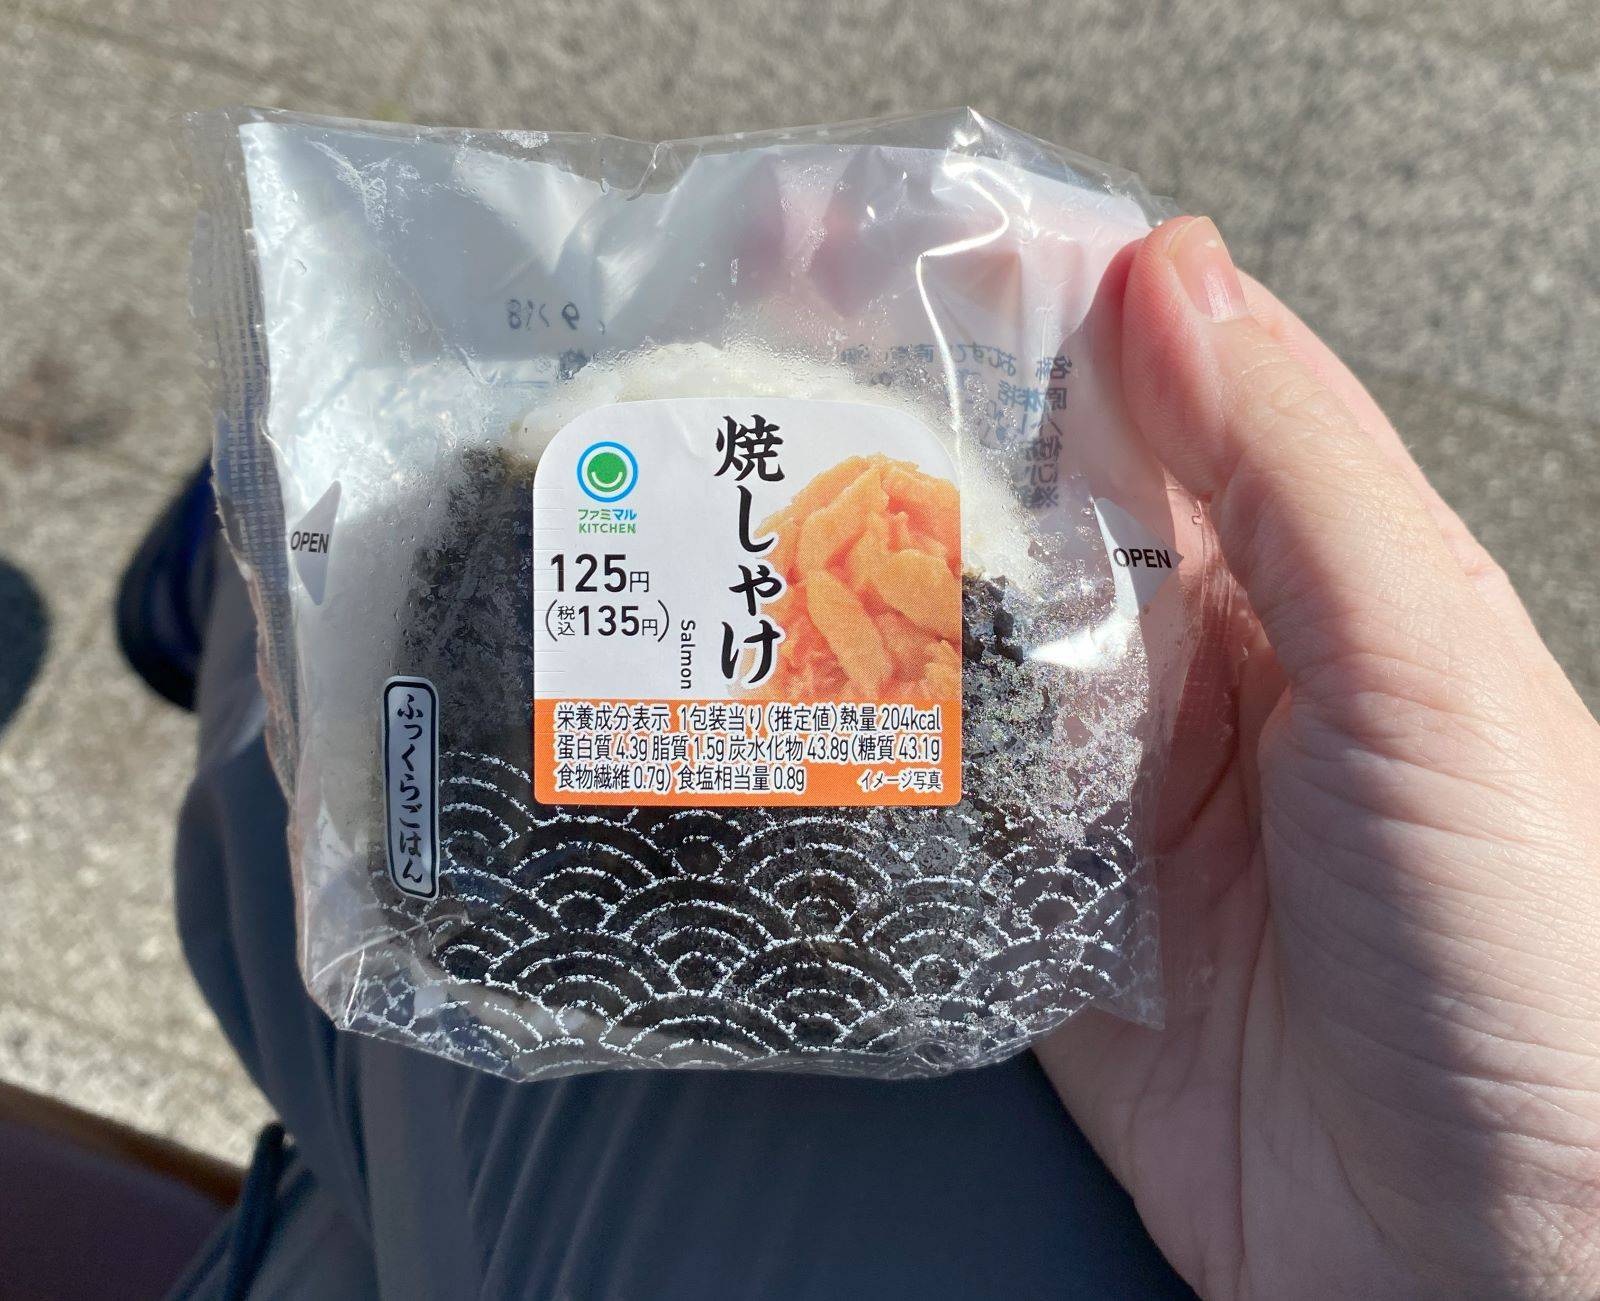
<point>688,529</point>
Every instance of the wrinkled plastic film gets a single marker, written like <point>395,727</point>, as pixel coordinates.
<point>401,319</point>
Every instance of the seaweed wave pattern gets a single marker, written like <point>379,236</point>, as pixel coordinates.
<point>743,937</point>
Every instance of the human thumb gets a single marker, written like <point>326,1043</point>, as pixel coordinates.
<point>1337,551</point>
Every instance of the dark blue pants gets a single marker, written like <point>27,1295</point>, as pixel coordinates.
<point>411,1177</point>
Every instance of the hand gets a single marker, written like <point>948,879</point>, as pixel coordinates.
<point>1390,1085</point>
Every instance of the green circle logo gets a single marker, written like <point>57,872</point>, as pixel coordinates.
<point>607,471</point>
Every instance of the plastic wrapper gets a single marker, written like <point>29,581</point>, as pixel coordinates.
<point>974,599</point>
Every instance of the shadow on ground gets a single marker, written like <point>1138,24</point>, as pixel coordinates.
<point>24,634</point>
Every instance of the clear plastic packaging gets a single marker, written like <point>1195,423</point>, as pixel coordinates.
<point>401,319</point>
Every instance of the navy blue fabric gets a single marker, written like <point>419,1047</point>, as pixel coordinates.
<point>309,1250</point>
<point>424,1179</point>
<point>162,598</point>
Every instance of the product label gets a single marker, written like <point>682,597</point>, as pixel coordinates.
<point>747,601</point>
<point>411,783</point>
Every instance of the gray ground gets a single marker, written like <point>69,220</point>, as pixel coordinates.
<point>1422,185</point>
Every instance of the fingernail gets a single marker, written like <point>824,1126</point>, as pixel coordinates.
<point>1206,271</point>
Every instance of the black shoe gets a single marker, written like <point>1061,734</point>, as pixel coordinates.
<point>161,599</point>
